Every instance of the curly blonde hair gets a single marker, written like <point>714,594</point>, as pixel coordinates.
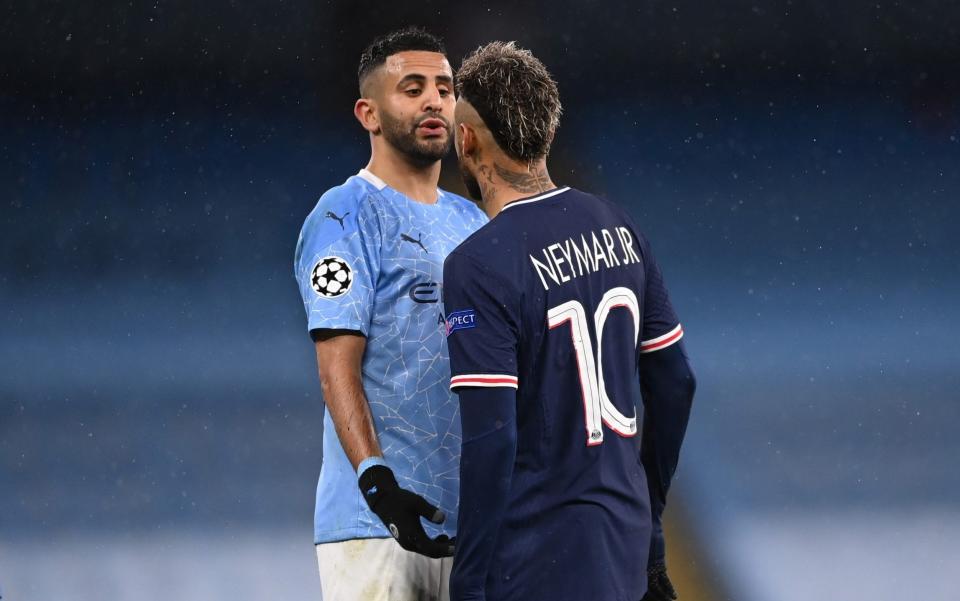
<point>515,96</point>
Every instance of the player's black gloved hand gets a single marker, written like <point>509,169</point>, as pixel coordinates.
<point>659,587</point>
<point>401,510</point>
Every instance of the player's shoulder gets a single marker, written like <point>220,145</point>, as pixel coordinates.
<point>598,203</point>
<point>476,256</point>
<point>473,245</point>
<point>343,211</point>
<point>504,231</point>
<point>560,204</point>
<point>349,198</point>
<point>606,210</point>
<point>463,205</point>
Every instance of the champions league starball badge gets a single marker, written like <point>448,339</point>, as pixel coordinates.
<point>331,277</point>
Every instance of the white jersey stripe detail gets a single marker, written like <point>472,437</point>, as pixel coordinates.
<point>535,198</point>
<point>655,344</point>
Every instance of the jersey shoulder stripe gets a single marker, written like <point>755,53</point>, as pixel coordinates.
<point>661,342</point>
<point>484,380</point>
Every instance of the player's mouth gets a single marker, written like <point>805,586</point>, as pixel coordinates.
<point>433,127</point>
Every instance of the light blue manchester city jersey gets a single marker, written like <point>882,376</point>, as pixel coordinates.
<point>371,259</point>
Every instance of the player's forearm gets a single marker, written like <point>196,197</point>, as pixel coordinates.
<point>668,385</point>
<point>486,468</point>
<point>339,362</point>
<point>350,413</point>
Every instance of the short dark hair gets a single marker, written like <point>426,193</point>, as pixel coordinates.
<point>408,38</point>
<point>515,96</point>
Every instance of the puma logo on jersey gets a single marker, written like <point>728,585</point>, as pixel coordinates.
<point>337,218</point>
<point>418,241</point>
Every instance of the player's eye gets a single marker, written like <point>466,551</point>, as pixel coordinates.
<point>444,92</point>
<point>413,91</point>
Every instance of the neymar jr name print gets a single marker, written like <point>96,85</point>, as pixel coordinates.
<point>574,257</point>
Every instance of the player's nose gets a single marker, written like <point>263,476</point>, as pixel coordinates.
<point>432,100</point>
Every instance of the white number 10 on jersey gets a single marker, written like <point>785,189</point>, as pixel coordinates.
<point>598,409</point>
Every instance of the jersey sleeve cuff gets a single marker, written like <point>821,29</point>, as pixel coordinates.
<point>483,380</point>
<point>661,342</point>
<point>319,323</point>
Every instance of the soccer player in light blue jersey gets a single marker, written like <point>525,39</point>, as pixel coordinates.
<point>369,263</point>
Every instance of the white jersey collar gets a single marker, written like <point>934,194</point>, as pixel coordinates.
<point>524,201</point>
<point>372,179</point>
<point>379,184</point>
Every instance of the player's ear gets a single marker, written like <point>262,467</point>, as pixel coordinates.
<point>366,113</point>
<point>468,137</point>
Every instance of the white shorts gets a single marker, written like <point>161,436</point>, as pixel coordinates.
<point>379,569</point>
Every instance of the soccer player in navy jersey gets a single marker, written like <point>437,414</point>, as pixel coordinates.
<point>557,320</point>
<point>369,263</point>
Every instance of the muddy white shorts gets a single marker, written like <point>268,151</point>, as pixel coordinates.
<point>379,569</point>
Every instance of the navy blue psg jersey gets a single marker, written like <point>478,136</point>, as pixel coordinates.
<point>558,296</point>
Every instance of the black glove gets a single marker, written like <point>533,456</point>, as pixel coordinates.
<point>659,587</point>
<point>401,510</point>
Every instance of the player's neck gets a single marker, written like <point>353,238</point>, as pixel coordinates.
<point>512,181</point>
<point>419,183</point>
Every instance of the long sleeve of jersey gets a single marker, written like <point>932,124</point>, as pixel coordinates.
<point>486,467</point>
<point>482,334</point>
<point>667,385</point>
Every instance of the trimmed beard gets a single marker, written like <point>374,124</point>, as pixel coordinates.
<point>404,138</point>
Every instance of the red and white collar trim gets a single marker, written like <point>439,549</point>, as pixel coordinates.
<point>535,198</point>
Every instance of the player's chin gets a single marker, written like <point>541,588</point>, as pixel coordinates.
<point>435,147</point>
<point>440,136</point>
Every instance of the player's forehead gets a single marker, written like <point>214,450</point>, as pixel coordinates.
<point>417,62</point>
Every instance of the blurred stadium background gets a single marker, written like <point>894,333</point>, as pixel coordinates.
<point>796,165</point>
